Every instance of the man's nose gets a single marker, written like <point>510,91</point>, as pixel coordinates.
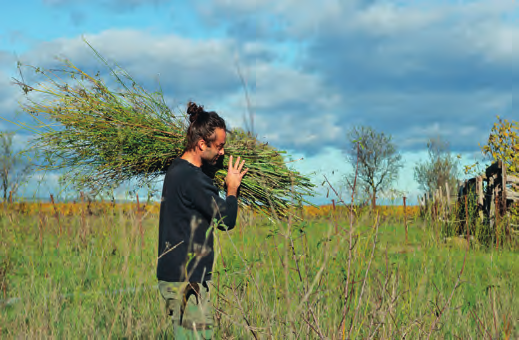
<point>222,152</point>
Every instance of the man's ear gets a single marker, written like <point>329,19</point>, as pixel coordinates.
<point>202,145</point>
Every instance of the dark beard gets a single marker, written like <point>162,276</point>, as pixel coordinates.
<point>211,169</point>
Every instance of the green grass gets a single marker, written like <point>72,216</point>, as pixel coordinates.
<point>395,289</point>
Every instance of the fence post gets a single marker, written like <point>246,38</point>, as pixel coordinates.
<point>497,219</point>
<point>82,225</point>
<point>405,221</point>
<point>56,215</point>
<point>479,191</point>
<point>427,203</point>
<point>491,202</point>
<point>140,222</point>
<point>504,206</point>
<point>467,220</point>
<point>448,195</point>
<point>40,224</point>
<point>442,203</point>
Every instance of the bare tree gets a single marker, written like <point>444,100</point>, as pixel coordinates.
<point>14,168</point>
<point>439,168</point>
<point>378,160</point>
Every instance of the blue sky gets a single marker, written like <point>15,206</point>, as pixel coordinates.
<point>413,69</point>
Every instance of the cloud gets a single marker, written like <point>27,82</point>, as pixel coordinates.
<point>296,109</point>
<point>410,70</point>
<point>9,107</point>
<point>382,45</point>
<point>6,58</point>
<point>464,119</point>
<point>293,110</point>
<point>187,69</point>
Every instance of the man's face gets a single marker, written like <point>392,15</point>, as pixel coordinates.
<point>212,153</point>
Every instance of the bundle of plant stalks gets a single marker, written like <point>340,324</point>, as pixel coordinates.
<point>103,138</point>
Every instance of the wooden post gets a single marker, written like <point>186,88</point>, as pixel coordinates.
<point>435,204</point>
<point>427,205</point>
<point>334,216</point>
<point>140,222</point>
<point>440,199</point>
<point>405,221</point>
<point>497,191</point>
<point>497,221</point>
<point>467,220</point>
<point>56,216</point>
<point>460,213</point>
<point>448,195</point>
<point>82,225</point>
<point>491,202</point>
<point>479,193</point>
<point>10,197</point>
<point>504,206</point>
<point>40,225</point>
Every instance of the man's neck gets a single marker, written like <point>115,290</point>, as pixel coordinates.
<point>192,158</point>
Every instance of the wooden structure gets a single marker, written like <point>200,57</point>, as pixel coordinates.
<point>491,193</point>
<point>488,196</point>
<point>438,204</point>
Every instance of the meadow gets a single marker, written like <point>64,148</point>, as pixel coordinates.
<point>81,270</point>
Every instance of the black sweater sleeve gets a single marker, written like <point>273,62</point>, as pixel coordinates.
<point>206,200</point>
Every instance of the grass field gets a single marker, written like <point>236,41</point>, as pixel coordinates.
<point>94,276</point>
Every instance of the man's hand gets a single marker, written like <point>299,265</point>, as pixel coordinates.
<point>234,176</point>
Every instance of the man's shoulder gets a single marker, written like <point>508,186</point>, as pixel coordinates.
<point>180,165</point>
<point>182,170</point>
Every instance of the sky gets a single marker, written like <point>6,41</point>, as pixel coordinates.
<point>412,69</point>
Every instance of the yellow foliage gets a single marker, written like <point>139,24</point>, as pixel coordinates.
<point>78,208</point>
<point>100,208</point>
<point>503,144</point>
<point>383,210</point>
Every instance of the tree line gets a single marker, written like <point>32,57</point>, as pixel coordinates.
<point>377,162</point>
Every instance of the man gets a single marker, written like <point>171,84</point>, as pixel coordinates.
<point>190,203</point>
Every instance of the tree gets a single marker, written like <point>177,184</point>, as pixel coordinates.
<point>377,158</point>
<point>14,168</point>
<point>441,167</point>
<point>503,144</point>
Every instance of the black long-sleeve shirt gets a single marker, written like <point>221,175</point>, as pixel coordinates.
<point>190,203</point>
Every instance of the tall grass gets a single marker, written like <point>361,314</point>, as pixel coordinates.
<point>94,275</point>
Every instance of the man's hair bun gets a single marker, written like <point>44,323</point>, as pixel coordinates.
<point>194,111</point>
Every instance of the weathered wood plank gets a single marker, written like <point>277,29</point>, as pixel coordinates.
<point>503,187</point>
<point>492,210</point>
<point>512,195</point>
<point>479,191</point>
<point>512,179</point>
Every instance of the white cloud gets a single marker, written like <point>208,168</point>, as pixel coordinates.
<point>499,44</point>
<point>277,86</point>
<point>187,69</point>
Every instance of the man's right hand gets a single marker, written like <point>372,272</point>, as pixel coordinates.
<point>234,176</point>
